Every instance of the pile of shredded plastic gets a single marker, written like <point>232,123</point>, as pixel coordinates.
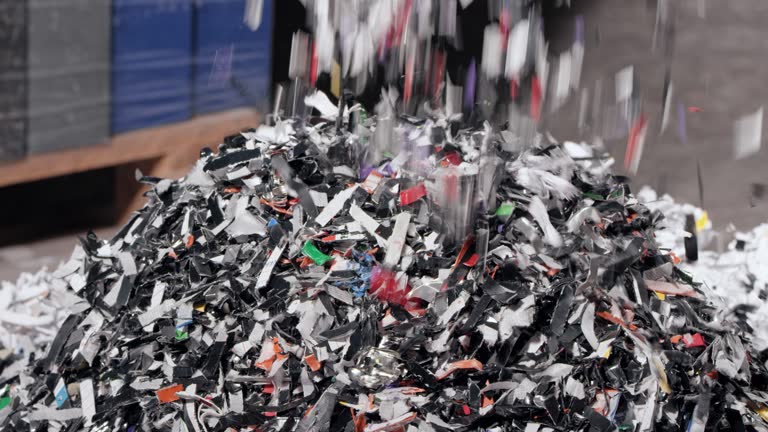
<point>32,309</point>
<point>736,275</point>
<point>462,280</point>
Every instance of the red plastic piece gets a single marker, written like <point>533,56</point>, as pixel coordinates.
<point>313,66</point>
<point>413,194</point>
<point>438,76</point>
<point>536,98</point>
<point>634,139</point>
<point>695,341</point>
<point>385,287</point>
<point>453,158</point>
<point>513,89</point>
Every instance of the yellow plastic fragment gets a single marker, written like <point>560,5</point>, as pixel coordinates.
<point>607,353</point>
<point>702,222</point>
<point>763,413</point>
<point>336,79</point>
<point>661,375</point>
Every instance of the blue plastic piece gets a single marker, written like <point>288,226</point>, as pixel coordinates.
<point>360,284</point>
<point>232,62</point>
<point>151,62</point>
<point>62,396</point>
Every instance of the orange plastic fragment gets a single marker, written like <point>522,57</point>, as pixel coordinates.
<point>675,339</point>
<point>616,320</point>
<point>190,241</point>
<point>411,390</point>
<point>486,401</point>
<point>266,364</point>
<point>168,394</point>
<point>607,316</point>
<point>232,189</point>
<point>459,365</point>
<point>493,273</point>
<point>274,207</point>
<point>279,355</point>
<point>359,421</point>
<point>669,288</point>
<point>464,249</point>
<point>313,363</point>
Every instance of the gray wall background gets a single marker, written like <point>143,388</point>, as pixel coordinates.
<point>718,63</point>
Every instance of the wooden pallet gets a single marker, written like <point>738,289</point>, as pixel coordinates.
<point>165,151</point>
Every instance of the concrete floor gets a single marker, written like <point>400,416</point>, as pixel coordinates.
<point>719,64</point>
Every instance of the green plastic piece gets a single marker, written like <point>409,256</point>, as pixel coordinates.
<point>5,400</point>
<point>315,254</point>
<point>594,196</point>
<point>181,335</point>
<point>506,209</point>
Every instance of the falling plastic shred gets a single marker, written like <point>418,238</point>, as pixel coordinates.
<point>389,272</point>
<point>748,133</point>
<point>552,287</point>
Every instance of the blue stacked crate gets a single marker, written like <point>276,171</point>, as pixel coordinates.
<point>151,63</point>
<point>232,62</point>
